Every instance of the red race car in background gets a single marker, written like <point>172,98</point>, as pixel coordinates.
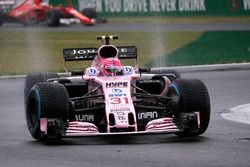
<point>34,11</point>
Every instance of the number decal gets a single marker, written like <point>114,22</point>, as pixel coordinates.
<point>119,100</point>
<point>115,100</point>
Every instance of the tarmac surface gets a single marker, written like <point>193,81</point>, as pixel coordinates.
<point>225,143</point>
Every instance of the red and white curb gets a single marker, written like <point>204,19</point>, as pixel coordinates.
<point>238,114</point>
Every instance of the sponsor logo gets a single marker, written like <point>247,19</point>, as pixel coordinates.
<point>84,117</point>
<point>115,90</point>
<point>81,57</point>
<point>191,5</point>
<point>81,126</point>
<point>127,70</point>
<point>148,81</point>
<point>147,115</point>
<point>120,109</point>
<point>121,116</point>
<point>82,51</point>
<point>116,84</point>
<point>117,95</point>
<point>75,84</point>
<point>92,72</point>
<point>145,6</point>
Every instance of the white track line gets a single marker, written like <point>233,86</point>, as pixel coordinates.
<point>238,114</point>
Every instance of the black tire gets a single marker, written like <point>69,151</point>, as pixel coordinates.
<point>46,100</point>
<point>53,18</point>
<point>33,79</point>
<point>101,20</point>
<point>171,74</point>
<point>1,18</point>
<point>194,96</point>
<point>89,12</point>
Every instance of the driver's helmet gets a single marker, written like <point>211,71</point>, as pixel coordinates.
<point>111,67</point>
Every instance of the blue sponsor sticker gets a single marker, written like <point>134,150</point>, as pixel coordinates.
<point>115,90</point>
<point>92,72</point>
<point>128,70</point>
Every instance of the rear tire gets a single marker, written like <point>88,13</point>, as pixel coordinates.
<point>92,14</point>
<point>53,18</point>
<point>194,97</point>
<point>89,12</point>
<point>46,100</point>
<point>1,18</point>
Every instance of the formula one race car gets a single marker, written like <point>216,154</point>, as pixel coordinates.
<point>30,12</point>
<point>111,99</point>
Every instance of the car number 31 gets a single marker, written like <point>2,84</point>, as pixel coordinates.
<point>119,100</point>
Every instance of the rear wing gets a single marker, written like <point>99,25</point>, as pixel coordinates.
<point>84,54</point>
<point>79,54</point>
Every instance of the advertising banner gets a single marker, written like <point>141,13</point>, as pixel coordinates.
<point>6,5</point>
<point>164,7</point>
<point>168,7</point>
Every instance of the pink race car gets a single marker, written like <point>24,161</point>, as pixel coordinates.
<point>109,98</point>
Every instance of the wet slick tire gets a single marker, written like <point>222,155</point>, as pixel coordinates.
<point>193,97</point>
<point>33,79</point>
<point>46,100</point>
<point>1,18</point>
<point>92,14</point>
<point>89,12</point>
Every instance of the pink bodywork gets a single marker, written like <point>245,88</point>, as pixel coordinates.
<point>118,99</point>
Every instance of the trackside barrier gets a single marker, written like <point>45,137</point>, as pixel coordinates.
<point>164,7</point>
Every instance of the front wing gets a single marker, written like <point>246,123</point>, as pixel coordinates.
<point>186,122</point>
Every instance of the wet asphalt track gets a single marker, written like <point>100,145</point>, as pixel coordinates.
<point>225,143</point>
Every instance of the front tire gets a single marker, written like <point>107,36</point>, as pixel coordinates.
<point>46,100</point>
<point>193,97</point>
<point>33,79</point>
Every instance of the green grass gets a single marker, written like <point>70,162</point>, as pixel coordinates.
<point>212,48</point>
<point>25,52</point>
<point>180,19</point>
